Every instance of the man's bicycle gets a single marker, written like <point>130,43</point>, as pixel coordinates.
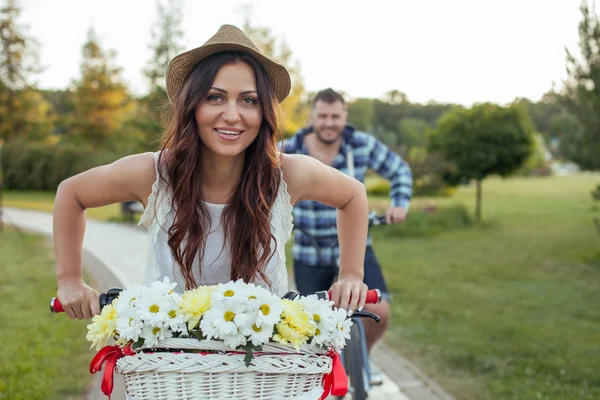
<point>355,355</point>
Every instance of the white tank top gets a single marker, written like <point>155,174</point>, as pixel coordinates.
<point>159,215</point>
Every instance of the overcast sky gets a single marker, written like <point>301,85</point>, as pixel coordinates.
<point>459,51</point>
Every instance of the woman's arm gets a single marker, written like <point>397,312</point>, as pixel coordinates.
<point>129,178</point>
<point>310,179</point>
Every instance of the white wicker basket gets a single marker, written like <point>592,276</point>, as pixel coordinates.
<point>278,372</point>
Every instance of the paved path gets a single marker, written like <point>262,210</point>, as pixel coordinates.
<point>108,256</point>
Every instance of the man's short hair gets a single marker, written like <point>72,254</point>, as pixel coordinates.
<point>328,96</point>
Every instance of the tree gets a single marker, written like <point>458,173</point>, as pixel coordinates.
<point>413,132</point>
<point>395,97</point>
<point>36,116</point>
<point>562,128</point>
<point>63,105</point>
<point>101,99</point>
<point>19,53</point>
<point>361,114</point>
<point>541,113</point>
<point>294,108</point>
<point>167,35</point>
<point>166,42</point>
<point>484,140</point>
<point>20,115</point>
<point>537,164</point>
<point>581,94</point>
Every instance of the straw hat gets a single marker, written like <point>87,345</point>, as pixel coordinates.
<point>227,38</point>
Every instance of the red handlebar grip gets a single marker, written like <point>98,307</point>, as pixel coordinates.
<point>373,296</point>
<point>55,306</point>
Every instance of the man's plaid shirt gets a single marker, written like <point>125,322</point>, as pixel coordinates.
<point>318,219</point>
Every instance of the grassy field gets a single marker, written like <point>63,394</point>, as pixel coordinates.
<point>503,310</point>
<point>44,201</point>
<point>43,356</point>
<point>507,311</point>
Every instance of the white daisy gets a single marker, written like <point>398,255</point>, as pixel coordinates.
<point>164,287</point>
<point>127,298</point>
<point>154,307</point>
<point>231,290</point>
<point>225,318</point>
<point>129,326</point>
<point>259,335</point>
<point>321,312</point>
<point>176,321</point>
<point>152,334</point>
<point>266,307</point>
<point>342,331</point>
<point>235,341</point>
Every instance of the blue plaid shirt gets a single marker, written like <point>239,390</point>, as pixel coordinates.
<point>318,219</point>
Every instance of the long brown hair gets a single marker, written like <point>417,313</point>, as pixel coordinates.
<point>246,218</point>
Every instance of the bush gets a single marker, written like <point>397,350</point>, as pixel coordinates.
<point>38,166</point>
<point>378,187</point>
<point>425,186</point>
<point>536,164</point>
<point>428,172</point>
<point>428,222</point>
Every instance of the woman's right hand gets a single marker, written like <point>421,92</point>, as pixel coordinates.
<point>78,299</point>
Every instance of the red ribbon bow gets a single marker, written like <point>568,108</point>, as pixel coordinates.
<point>335,382</point>
<point>110,355</point>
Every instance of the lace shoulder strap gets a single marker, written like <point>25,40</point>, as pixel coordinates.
<point>154,219</point>
<point>282,209</point>
<point>159,200</point>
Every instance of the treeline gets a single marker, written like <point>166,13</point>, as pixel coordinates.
<point>97,119</point>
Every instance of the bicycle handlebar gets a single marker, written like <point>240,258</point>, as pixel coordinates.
<point>373,297</point>
<point>55,306</point>
<point>104,299</point>
<point>375,219</point>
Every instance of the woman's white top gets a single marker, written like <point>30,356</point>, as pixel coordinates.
<point>216,265</point>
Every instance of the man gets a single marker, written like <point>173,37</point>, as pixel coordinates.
<point>330,140</point>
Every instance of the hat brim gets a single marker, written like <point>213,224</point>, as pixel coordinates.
<point>182,65</point>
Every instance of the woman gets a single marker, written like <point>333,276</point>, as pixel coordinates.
<point>218,197</point>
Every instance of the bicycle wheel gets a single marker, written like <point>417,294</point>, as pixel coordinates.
<point>355,363</point>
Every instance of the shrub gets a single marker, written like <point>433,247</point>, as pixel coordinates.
<point>39,166</point>
<point>428,222</point>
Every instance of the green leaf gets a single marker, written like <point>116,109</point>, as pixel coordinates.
<point>197,333</point>
<point>138,344</point>
<point>250,349</point>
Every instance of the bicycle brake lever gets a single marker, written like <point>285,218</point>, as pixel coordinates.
<point>291,295</point>
<point>114,292</point>
<point>365,314</point>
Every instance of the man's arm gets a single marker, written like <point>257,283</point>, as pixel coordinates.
<point>391,166</point>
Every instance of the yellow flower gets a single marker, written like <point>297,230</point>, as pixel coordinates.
<point>296,325</point>
<point>194,303</point>
<point>103,327</point>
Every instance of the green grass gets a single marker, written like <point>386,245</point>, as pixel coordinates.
<point>508,311</point>
<point>43,356</point>
<point>503,310</point>
<point>44,201</point>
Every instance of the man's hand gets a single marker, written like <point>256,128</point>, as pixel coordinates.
<point>395,215</point>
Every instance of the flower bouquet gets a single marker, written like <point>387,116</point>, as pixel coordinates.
<point>228,341</point>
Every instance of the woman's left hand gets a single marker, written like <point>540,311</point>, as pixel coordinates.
<point>349,292</point>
